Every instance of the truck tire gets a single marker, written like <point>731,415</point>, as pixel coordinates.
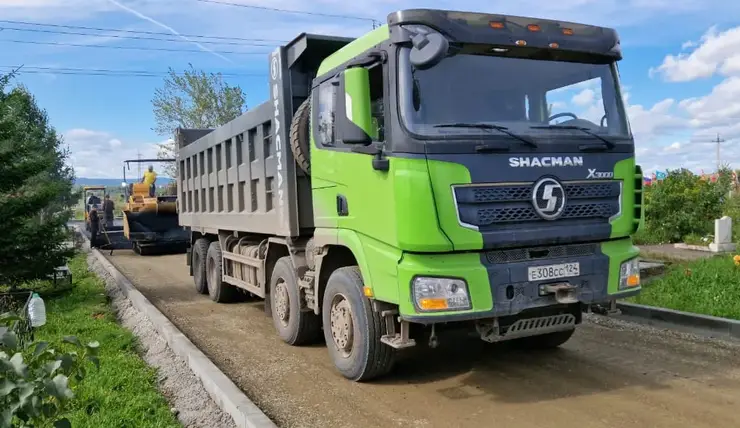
<point>300,136</point>
<point>295,327</point>
<point>543,341</point>
<point>199,254</point>
<point>218,290</point>
<point>353,330</point>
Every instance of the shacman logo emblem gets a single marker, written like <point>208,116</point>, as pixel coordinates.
<point>548,198</point>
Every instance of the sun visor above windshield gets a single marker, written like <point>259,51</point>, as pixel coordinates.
<point>505,30</point>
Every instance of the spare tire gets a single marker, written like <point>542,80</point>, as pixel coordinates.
<point>300,136</point>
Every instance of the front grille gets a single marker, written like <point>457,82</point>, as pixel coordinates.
<point>553,252</point>
<point>491,204</point>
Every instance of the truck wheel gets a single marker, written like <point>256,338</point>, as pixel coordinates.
<point>295,327</point>
<point>543,341</point>
<point>300,142</point>
<point>353,330</point>
<point>199,254</point>
<point>219,291</point>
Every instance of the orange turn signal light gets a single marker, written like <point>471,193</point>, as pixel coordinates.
<point>633,280</point>
<point>521,43</point>
<point>496,25</point>
<point>432,304</point>
<point>554,45</point>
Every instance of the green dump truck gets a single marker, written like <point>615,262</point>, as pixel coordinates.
<point>418,177</point>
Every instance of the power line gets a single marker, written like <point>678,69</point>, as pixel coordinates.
<point>137,48</point>
<point>119,36</point>
<point>298,12</point>
<point>117,30</point>
<point>105,71</point>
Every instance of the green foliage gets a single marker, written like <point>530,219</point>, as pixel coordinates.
<point>709,286</point>
<point>123,393</point>
<point>194,99</point>
<point>36,190</point>
<point>37,383</point>
<point>683,205</point>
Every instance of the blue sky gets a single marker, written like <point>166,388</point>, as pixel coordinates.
<point>681,66</point>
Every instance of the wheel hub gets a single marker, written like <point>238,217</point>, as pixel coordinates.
<point>282,302</point>
<point>341,325</point>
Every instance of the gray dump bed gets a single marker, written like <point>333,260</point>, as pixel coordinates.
<point>242,176</point>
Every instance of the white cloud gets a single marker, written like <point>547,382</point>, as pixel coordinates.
<point>585,97</point>
<point>648,123</point>
<point>98,154</point>
<point>672,148</point>
<point>719,108</point>
<point>718,52</point>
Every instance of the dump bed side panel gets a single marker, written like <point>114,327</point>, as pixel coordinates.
<point>235,177</point>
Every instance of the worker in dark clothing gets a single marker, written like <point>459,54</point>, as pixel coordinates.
<point>94,227</point>
<point>108,207</point>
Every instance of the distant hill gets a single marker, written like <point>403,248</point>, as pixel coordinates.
<point>113,182</point>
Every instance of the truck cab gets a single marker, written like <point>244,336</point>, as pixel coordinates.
<point>469,179</point>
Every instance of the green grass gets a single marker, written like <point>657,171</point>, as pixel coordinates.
<point>123,393</point>
<point>708,286</point>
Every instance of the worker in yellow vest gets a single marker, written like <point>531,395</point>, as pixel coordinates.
<point>149,178</point>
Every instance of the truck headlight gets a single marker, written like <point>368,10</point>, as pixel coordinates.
<point>440,294</point>
<point>629,274</point>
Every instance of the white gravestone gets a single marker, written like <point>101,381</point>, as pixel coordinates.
<point>722,236</point>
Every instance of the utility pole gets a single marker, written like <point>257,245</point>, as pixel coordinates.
<point>718,141</point>
<point>138,164</point>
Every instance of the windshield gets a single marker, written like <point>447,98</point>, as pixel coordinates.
<point>524,95</point>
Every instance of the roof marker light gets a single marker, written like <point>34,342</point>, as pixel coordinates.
<point>533,27</point>
<point>496,25</point>
<point>568,31</point>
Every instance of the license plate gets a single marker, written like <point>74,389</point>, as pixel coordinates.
<point>565,270</point>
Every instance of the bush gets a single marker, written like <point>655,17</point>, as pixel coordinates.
<point>732,209</point>
<point>683,205</point>
<point>38,387</point>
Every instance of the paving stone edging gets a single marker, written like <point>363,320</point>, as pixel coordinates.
<point>222,390</point>
<point>723,328</point>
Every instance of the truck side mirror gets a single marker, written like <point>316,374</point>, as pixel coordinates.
<point>354,124</point>
<point>429,48</point>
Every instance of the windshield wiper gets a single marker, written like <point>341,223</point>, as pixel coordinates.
<point>609,144</point>
<point>503,129</point>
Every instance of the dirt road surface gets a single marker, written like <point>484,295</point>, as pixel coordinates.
<point>611,374</point>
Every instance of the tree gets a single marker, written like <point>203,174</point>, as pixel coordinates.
<point>196,100</point>
<point>36,190</point>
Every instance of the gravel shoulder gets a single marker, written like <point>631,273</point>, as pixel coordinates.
<point>611,374</point>
<point>189,400</point>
